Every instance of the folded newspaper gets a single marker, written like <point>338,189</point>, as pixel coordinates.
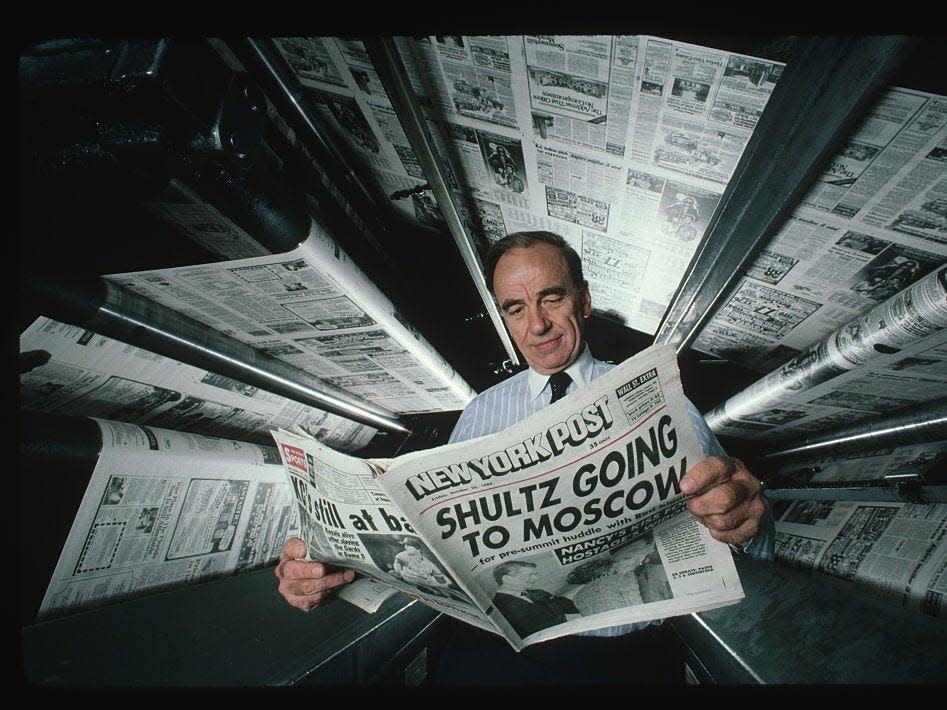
<point>571,520</point>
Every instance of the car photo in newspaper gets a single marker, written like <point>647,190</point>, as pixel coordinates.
<point>570,520</point>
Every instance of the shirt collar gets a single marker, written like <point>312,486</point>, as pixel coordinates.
<point>580,371</point>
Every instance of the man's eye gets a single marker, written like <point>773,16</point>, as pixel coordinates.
<point>514,312</point>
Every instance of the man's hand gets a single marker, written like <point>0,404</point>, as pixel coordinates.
<point>302,584</point>
<point>731,504</point>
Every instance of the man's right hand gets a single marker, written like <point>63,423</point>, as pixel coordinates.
<point>305,585</point>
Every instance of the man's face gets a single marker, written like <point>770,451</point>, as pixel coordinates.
<point>520,578</point>
<point>544,311</point>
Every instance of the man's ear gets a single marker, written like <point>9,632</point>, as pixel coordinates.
<point>586,301</point>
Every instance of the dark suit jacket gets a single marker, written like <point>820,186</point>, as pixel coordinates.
<point>539,611</point>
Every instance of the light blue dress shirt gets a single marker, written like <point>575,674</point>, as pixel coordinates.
<point>527,392</point>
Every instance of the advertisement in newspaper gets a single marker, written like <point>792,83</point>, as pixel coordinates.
<point>165,509</point>
<point>569,521</point>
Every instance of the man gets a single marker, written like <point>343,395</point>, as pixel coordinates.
<point>537,281</point>
<point>527,608</point>
<point>413,567</point>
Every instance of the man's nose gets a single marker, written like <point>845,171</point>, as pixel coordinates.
<point>538,322</point>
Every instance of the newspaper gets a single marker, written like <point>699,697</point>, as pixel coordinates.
<point>67,369</point>
<point>895,551</point>
<point>578,506</point>
<point>313,308</point>
<point>166,508</point>
<point>890,358</point>
<point>623,144</point>
<point>873,223</point>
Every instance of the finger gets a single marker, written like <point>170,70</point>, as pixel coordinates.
<point>293,549</point>
<point>292,570</point>
<point>709,472</point>
<point>719,500</point>
<point>306,592</point>
<point>738,524</point>
<point>308,603</point>
<point>737,536</point>
<point>723,498</point>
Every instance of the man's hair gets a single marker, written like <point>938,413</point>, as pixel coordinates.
<point>502,570</point>
<point>528,239</point>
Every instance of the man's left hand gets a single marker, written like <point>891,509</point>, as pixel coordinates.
<point>728,498</point>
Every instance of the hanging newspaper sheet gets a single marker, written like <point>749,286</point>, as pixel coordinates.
<point>165,509</point>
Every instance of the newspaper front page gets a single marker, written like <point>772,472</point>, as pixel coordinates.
<point>166,508</point>
<point>578,507</point>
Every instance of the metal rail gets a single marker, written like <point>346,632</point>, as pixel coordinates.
<point>827,85</point>
<point>921,423</point>
<point>391,71</point>
<point>116,312</point>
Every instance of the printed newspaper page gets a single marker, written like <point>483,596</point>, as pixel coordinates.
<point>623,144</point>
<point>67,369</point>
<point>165,508</point>
<point>890,358</point>
<point>347,519</point>
<point>579,506</point>
<point>313,308</point>
<point>873,223</point>
<point>895,551</point>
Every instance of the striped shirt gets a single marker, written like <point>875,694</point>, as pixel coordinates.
<point>527,392</point>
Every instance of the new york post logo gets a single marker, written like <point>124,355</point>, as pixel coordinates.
<point>295,457</point>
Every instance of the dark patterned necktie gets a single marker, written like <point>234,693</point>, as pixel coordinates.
<point>558,383</point>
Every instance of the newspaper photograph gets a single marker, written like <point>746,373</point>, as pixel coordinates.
<point>577,509</point>
<point>164,509</point>
<point>894,551</point>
